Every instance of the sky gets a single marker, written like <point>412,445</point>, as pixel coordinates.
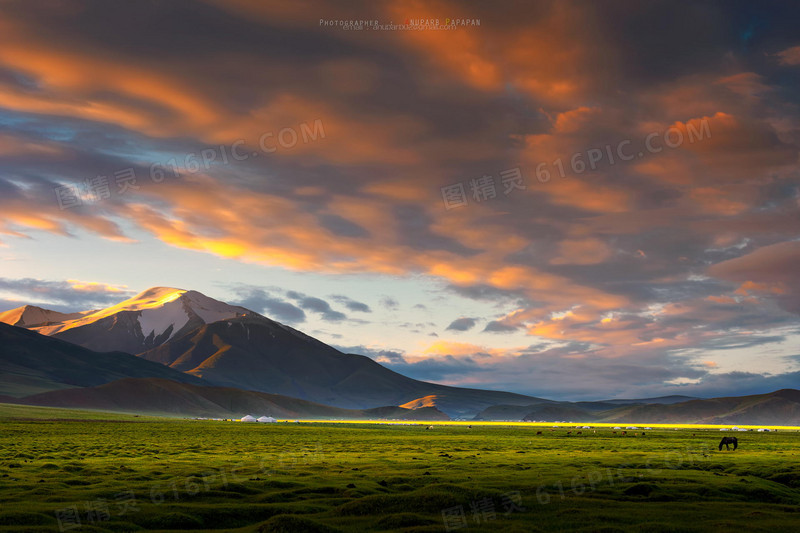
<point>573,200</point>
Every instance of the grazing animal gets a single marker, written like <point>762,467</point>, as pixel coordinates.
<point>569,433</point>
<point>624,432</point>
<point>613,432</point>
<point>580,433</point>
<point>726,441</point>
<point>538,432</point>
<point>643,433</point>
<point>429,427</point>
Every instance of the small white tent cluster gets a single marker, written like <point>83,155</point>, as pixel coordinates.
<point>263,419</point>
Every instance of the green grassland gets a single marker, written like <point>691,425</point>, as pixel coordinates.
<point>125,473</point>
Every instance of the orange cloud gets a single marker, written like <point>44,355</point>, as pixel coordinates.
<point>155,99</point>
<point>773,263</point>
<point>97,287</point>
<point>748,84</point>
<point>453,348</point>
<point>717,201</point>
<point>752,287</point>
<point>71,80</point>
<point>790,56</point>
<point>481,355</point>
<point>550,64</point>
<point>461,52</point>
<point>492,57</point>
<point>11,146</point>
<point>18,217</point>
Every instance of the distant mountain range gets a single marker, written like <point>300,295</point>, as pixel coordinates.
<point>166,397</point>
<point>231,346</point>
<point>664,400</point>
<point>776,408</point>
<point>172,351</point>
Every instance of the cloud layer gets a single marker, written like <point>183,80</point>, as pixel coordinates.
<point>628,195</point>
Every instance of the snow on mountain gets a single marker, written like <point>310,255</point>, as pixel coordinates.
<point>178,312</point>
<point>157,321</point>
<point>159,308</point>
<point>211,310</point>
<point>155,298</point>
<point>139,323</point>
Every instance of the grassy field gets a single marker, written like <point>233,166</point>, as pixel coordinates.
<point>76,471</point>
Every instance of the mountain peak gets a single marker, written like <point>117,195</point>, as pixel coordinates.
<point>32,315</point>
<point>144,321</point>
<point>153,297</point>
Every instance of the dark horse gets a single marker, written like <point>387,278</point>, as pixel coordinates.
<point>728,440</point>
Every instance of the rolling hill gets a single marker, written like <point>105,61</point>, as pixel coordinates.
<point>230,346</point>
<point>256,353</point>
<point>31,316</point>
<point>33,363</point>
<point>40,370</point>
<point>781,407</point>
<point>776,408</point>
<point>187,337</point>
<point>165,397</point>
<point>664,400</point>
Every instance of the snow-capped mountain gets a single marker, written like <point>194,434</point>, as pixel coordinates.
<point>140,323</point>
<point>231,346</point>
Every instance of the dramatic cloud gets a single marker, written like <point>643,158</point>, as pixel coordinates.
<point>768,272</point>
<point>571,372</point>
<point>790,56</point>
<point>586,178</point>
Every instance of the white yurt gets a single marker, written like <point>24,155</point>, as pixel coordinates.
<point>265,419</point>
<point>247,418</point>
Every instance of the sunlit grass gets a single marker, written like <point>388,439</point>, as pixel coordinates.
<point>379,476</point>
<point>593,425</point>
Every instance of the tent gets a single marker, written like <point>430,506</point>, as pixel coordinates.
<point>266,419</point>
<point>247,418</point>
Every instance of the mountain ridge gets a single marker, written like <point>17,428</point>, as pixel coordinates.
<point>139,323</point>
<point>249,351</point>
<point>166,397</point>
<point>194,337</point>
<point>32,362</point>
<point>781,407</point>
<point>29,316</point>
<point>230,353</point>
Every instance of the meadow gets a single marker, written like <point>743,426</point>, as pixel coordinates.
<point>66,470</point>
